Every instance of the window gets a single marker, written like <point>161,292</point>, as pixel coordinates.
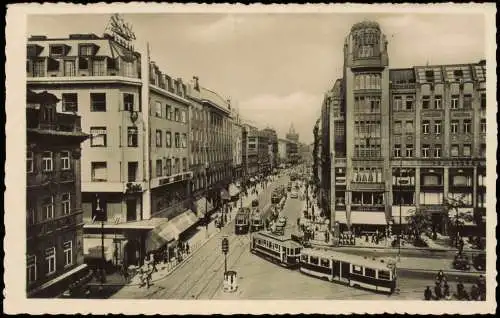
<point>397,151</point>
<point>467,101</point>
<point>409,103</point>
<point>83,63</point>
<point>50,258</point>
<point>386,275</point>
<point>313,260</point>
<point>409,150</point>
<point>462,181</point>
<point>184,141</point>
<point>177,140</point>
<point>482,151</point>
<point>98,67</point>
<point>431,198</point>
<point>184,164</point>
<point>397,127</point>
<point>369,272</point>
<point>128,102</point>
<point>437,102</point>
<point>132,171</point>
<point>158,167</point>
<point>467,150</point>
<point>429,76</point>
<point>47,164</point>
<point>431,180</point>
<point>325,262</point>
<point>483,101</point>
<point>398,102</point>
<point>168,167</point>
<point>357,269</point>
<point>409,127</point>
<point>31,268</point>
<point>177,115</point>
<point>38,68</point>
<point>97,102</point>
<point>168,139</point>
<point>437,151</point>
<point>183,116</point>
<point>426,102</point>
<point>454,101</point>
<point>65,160</point>
<point>56,50</point>
<point>454,126</point>
<point>66,203</point>
<point>467,126</point>
<point>169,112</point>
<point>158,138</point>
<point>98,136</point>
<point>425,127</point>
<point>454,151</point>
<point>69,102</point>
<point>68,253</point>
<point>132,137</point>
<point>158,109</point>
<point>437,127</point>
<point>99,171</point>
<point>48,208</point>
<point>177,165</point>
<point>483,126</point>
<point>425,151</point>
<point>29,162</point>
<point>69,68</point>
<point>85,50</point>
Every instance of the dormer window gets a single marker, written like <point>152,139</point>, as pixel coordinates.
<point>58,50</point>
<point>429,76</point>
<point>86,49</point>
<point>33,50</point>
<point>458,74</point>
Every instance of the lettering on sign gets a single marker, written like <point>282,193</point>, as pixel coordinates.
<point>432,114</point>
<point>120,28</point>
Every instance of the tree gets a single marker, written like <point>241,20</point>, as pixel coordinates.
<point>456,219</point>
<point>418,223</point>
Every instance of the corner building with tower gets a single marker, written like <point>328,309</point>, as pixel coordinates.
<point>396,142</point>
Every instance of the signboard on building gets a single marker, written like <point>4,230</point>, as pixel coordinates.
<point>119,28</point>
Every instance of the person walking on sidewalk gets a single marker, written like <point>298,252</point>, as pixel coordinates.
<point>428,293</point>
<point>187,247</point>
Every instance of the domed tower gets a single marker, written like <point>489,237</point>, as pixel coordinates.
<point>366,80</point>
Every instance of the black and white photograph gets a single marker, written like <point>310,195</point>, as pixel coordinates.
<point>250,159</point>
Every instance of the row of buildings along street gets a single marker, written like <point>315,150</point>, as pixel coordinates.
<point>123,158</point>
<point>392,145</point>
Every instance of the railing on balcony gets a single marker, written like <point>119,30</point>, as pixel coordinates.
<point>52,226</point>
<point>50,177</point>
<point>402,85</point>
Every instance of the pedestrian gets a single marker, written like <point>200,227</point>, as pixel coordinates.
<point>440,276</point>
<point>428,293</point>
<point>154,269</point>
<point>460,246</point>
<point>474,292</point>
<point>437,291</point>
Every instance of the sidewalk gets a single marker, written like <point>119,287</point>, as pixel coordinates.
<point>198,240</point>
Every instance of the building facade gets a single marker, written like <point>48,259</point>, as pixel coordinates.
<point>282,155</point>
<point>404,141</point>
<point>54,217</point>
<point>252,151</point>
<point>135,167</point>
<point>211,137</point>
<point>273,148</point>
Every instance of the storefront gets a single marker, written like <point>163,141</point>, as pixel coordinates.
<point>202,206</point>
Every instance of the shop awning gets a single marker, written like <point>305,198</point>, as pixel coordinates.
<point>370,218</point>
<point>170,230</point>
<point>233,190</point>
<point>340,217</point>
<point>92,247</point>
<point>201,207</point>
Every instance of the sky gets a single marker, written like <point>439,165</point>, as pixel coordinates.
<point>276,67</point>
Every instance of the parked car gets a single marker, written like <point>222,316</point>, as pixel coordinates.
<point>479,261</point>
<point>461,262</point>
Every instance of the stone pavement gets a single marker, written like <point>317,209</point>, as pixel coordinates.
<point>196,241</point>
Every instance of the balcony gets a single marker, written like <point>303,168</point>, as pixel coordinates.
<point>50,177</point>
<point>402,86</point>
<point>55,225</point>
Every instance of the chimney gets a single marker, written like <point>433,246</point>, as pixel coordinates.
<point>196,83</point>
<point>229,104</point>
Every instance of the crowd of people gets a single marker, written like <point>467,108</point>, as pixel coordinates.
<point>442,290</point>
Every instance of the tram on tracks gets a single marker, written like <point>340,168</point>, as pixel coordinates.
<point>242,221</point>
<point>256,221</point>
<point>352,270</point>
<point>281,250</point>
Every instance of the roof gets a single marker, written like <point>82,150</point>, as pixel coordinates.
<point>365,25</point>
<point>354,259</point>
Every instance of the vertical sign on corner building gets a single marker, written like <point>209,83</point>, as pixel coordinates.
<point>120,28</point>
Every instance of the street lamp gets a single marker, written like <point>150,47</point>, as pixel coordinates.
<point>100,214</point>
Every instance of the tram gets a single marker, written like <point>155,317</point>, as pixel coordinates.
<point>256,221</point>
<point>353,270</point>
<point>242,221</point>
<point>277,249</point>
